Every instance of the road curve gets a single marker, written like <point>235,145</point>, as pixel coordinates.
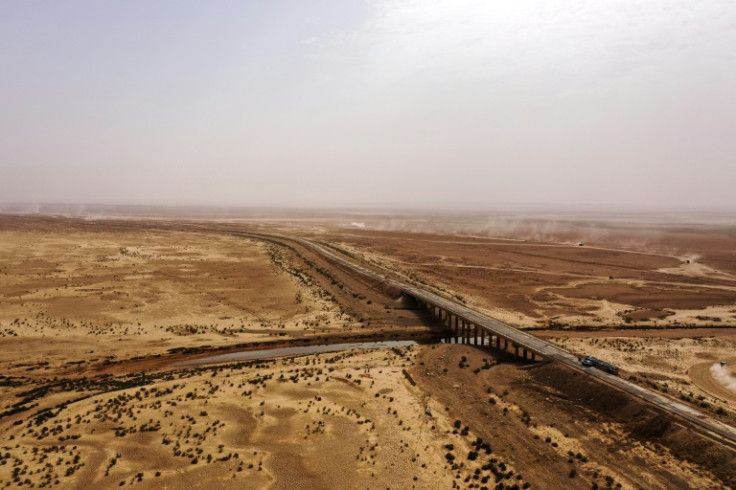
<point>542,347</point>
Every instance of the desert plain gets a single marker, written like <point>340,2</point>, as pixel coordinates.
<point>108,326</point>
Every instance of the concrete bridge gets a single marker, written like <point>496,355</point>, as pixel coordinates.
<point>470,327</point>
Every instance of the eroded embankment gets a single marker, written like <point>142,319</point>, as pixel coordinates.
<point>642,421</point>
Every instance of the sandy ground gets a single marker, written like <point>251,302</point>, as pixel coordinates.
<point>78,296</point>
<point>347,420</point>
<point>94,316</point>
<point>151,290</point>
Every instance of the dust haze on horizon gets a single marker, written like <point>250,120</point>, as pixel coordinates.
<point>452,102</point>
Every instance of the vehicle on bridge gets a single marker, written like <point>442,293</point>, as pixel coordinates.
<point>589,361</point>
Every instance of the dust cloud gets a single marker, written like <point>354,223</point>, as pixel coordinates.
<point>723,375</point>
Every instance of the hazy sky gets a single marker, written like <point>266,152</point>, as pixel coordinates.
<point>363,102</point>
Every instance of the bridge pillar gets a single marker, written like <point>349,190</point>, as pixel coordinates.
<point>525,354</point>
<point>516,351</point>
<point>475,334</point>
<point>482,337</point>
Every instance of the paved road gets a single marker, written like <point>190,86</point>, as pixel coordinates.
<point>545,349</point>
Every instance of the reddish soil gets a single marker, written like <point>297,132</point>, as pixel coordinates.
<point>650,297</point>
<point>546,283</point>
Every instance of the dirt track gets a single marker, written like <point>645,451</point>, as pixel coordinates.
<point>703,377</point>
